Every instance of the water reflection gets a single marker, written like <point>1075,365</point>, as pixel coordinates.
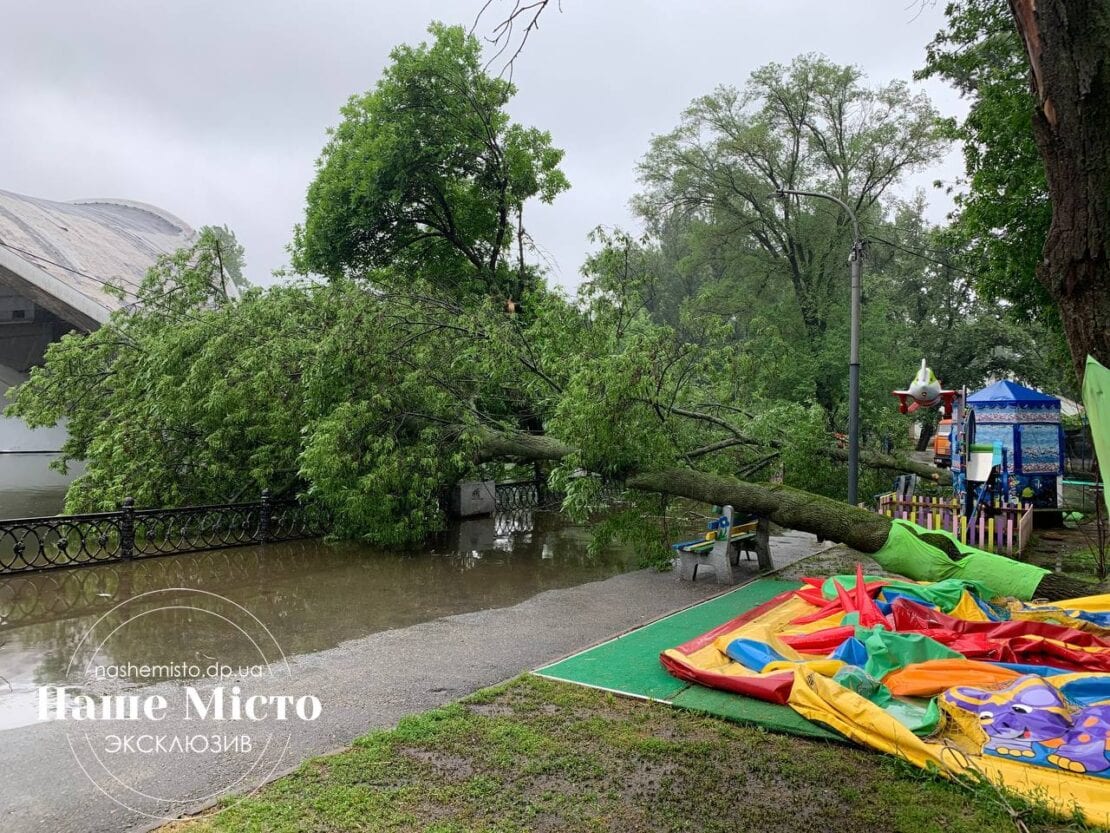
<point>29,488</point>
<point>311,595</point>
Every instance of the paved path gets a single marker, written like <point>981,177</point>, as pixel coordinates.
<point>362,684</point>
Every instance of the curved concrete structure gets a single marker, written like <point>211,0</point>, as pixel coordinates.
<point>58,255</point>
<point>55,259</point>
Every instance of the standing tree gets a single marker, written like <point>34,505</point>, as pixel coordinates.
<point>1067,43</point>
<point>426,174</point>
<point>811,126</point>
<point>1002,218</point>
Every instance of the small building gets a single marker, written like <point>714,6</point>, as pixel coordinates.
<point>1027,425</point>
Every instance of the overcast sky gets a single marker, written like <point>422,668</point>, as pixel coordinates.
<point>215,110</point>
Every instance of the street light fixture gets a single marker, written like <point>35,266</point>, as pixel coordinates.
<point>856,261</point>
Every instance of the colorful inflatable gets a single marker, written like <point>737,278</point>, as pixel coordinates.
<point>941,674</point>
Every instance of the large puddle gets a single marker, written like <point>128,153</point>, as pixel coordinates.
<point>310,595</point>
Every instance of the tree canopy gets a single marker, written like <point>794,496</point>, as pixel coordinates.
<point>811,125</point>
<point>1014,136</point>
<point>1002,217</point>
<point>426,174</point>
<point>713,344</point>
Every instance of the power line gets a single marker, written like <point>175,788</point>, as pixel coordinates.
<point>45,259</point>
<point>921,254</point>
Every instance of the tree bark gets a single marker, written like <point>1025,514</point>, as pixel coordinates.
<point>496,445</point>
<point>874,460</point>
<point>858,528</point>
<point>1067,43</point>
<point>928,429</point>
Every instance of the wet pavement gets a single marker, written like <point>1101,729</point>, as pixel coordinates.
<point>311,596</point>
<point>370,635</point>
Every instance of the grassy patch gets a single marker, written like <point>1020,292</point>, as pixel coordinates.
<point>536,755</point>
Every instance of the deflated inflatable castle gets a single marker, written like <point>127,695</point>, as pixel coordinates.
<point>951,674</point>
<point>948,661</point>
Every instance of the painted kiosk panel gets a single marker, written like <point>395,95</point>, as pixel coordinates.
<point>1026,423</point>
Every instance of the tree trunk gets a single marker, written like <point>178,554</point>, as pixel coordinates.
<point>1068,46</point>
<point>858,528</point>
<point>497,445</point>
<point>874,460</point>
<point>928,429</point>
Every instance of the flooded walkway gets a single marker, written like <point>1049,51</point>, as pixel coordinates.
<point>311,596</point>
<point>371,634</point>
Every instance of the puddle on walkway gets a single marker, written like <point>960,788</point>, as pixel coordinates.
<point>310,595</point>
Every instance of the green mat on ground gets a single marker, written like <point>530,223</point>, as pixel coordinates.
<point>630,664</point>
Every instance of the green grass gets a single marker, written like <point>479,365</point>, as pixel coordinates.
<point>536,755</point>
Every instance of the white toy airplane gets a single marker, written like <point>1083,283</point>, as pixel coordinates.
<point>925,392</point>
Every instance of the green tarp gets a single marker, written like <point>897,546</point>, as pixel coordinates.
<point>908,555</point>
<point>1096,399</point>
<point>630,663</point>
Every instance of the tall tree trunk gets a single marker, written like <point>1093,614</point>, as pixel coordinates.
<point>1068,46</point>
<point>928,429</point>
<point>888,462</point>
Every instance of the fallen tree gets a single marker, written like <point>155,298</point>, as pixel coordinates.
<point>860,529</point>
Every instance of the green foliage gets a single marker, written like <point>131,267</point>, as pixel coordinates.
<point>718,341</point>
<point>1002,219</point>
<point>813,126</point>
<point>426,176</point>
<point>178,400</point>
<point>160,400</point>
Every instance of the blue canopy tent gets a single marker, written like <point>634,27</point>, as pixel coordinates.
<point>1027,424</point>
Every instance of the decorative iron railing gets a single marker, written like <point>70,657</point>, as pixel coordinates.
<point>519,495</point>
<point>536,494</point>
<point>103,537</point>
<point>32,544</point>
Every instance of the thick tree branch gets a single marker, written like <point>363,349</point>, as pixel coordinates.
<point>496,445</point>
<point>720,445</point>
<point>874,460</point>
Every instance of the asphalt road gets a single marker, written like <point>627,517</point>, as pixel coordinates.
<point>362,684</point>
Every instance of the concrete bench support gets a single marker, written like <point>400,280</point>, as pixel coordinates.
<point>724,552</point>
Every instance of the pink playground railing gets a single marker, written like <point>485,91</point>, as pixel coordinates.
<point>1001,528</point>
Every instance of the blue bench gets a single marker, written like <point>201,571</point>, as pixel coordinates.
<point>722,550</point>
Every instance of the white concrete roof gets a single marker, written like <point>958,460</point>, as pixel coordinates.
<point>59,254</point>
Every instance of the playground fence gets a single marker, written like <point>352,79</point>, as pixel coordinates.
<point>997,528</point>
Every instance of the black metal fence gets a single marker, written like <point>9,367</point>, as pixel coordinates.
<point>103,537</point>
<point>525,495</point>
<point>536,494</point>
<point>32,544</point>
<point>1079,452</point>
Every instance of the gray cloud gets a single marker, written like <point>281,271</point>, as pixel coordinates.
<point>217,109</point>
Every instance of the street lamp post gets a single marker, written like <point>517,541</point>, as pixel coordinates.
<point>856,261</point>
